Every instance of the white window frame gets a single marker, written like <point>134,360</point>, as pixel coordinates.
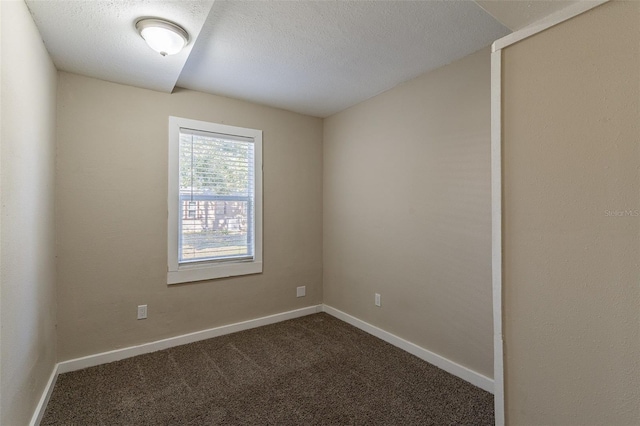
<point>199,271</point>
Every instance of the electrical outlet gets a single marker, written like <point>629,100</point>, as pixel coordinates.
<point>301,291</point>
<point>377,299</point>
<point>142,312</point>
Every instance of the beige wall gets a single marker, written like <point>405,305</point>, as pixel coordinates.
<point>111,197</point>
<point>571,267</point>
<point>27,248</point>
<point>407,212</point>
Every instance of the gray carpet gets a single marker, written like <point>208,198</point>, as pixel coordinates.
<point>312,370</point>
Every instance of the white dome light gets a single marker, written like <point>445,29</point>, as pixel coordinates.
<point>163,36</point>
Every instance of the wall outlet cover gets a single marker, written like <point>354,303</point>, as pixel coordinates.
<point>142,312</point>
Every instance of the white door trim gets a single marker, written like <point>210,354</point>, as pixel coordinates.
<point>496,233</point>
<point>496,184</point>
<point>546,23</point>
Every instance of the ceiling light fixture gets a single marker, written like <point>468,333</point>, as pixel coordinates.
<point>162,36</point>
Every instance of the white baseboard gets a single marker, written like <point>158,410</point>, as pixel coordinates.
<point>158,345</point>
<point>44,399</point>
<point>445,364</point>
<point>118,354</point>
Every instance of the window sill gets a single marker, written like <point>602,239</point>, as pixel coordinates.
<point>186,274</point>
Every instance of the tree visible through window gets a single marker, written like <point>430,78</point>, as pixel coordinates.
<point>216,196</point>
<point>214,200</point>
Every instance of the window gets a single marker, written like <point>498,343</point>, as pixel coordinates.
<point>215,201</point>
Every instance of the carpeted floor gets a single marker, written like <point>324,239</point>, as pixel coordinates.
<point>311,370</point>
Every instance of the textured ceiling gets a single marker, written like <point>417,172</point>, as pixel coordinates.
<point>517,14</point>
<point>319,58</point>
<point>99,39</point>
<point>312,57</point>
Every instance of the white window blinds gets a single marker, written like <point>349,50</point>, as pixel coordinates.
<point>216,197</point>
